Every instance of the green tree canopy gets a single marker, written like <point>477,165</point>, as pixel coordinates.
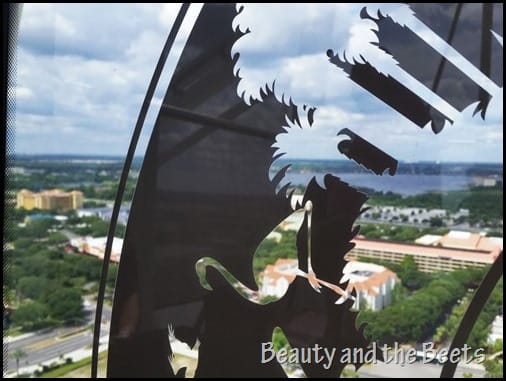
<point>66,305</point>
<point>31,316</point>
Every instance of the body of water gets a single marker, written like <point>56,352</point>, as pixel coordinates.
<point>404,184</point>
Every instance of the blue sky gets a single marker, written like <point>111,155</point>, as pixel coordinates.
<point>83,71</point>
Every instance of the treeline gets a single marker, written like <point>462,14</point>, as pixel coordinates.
<point>85,226</point>
<point>406,270</point>
<point>484,204</point>
<point>108,190</point>
<point>270,250</point>
<point>479,334</point>
<point>421,168</point>
<point>47,284</point>
<point>97,179</point>
<point>44,180</point>
<point>44,284</point>
<point>61,165</point>
<point>417,316</point>
<point>92,226</point>
<point>55,173</point>
<point>397,233</point>
<point>96,185</point>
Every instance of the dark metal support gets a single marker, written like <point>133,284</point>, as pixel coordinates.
<point>123,179</point>
<point>476,306</point>
<point>449,40</point>
<point>216,122</point>
<point>486,52</point>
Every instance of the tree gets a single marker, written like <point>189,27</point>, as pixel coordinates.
<point>410,276</point>
<point>113,274</point>
<point>494,368</point>
<point>33,287</point>
<point>57,238</point>
<point>66,305</point>
<point>18,354</point>
<point>279,339</point>
<point>31,316</point>
<point>497,346</point>
<point>399,293</point>
<point>268,299</point>
<point>418,315</point>
<point>436,222</point>
<point>362,304</point>
<point>99,228</point>
<point>82,266</point>
<point>38,228</point>
<point>35,264</point>
<point>23,243</point>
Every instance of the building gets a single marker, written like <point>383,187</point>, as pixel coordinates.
<point>37,217</point>
<point>96,247</point>
<point>486,181</point>
<point>496,332</point>
<point>373,283</point>
<point>49,199</point>
<point>26,199</point>
<point>456,239</point>
<point>44,216</point>
<point>433,253</point>
<point>105,213</point>
<point>276,278</point>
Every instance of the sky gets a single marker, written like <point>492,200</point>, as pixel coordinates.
<point>83,71</point>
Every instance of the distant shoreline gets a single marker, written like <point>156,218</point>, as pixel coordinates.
<point>280,161</point>
<point>410,179</point>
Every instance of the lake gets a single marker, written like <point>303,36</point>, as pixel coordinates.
<point>404,184</point>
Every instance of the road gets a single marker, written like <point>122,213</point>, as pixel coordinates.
<point>51,344</point>
<point>416,370</point>
<point>54,347</point>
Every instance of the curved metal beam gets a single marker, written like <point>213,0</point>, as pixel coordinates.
<point>477,304</point>
<point>123,179</point>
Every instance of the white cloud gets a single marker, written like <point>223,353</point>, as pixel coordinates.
<point>23,92</point>
<point>82,74</point>
<point>292,53</point>
<point>83,71</point>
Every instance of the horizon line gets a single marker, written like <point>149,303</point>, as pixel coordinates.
<point>118,156</point>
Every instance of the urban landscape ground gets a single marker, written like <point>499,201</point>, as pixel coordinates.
<point>50,287</point>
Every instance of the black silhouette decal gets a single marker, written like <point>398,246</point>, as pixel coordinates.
<point>204,203</point>
<point>366,154</point>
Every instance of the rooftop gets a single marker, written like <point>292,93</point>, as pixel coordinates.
<point>360,275</point>
<point>481,256</point>
<point>463,240</point>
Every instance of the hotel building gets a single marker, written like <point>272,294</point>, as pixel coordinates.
<point>49,199</point>
<point>433,253</point>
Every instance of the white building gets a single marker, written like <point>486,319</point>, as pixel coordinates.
<point>373,284</point>
<point>96,246</point>
<point>497,330</point>
<point>276,278</point>
<point>105,213</point>
<point>486,181</point>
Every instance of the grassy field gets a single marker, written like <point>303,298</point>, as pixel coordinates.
<point>82,369</point>
<point>79,369</point>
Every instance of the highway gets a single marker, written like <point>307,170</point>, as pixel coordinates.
<point>415,370</point>
<point>55,343</point>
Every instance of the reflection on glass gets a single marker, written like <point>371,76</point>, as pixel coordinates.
<point>243,239</point>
